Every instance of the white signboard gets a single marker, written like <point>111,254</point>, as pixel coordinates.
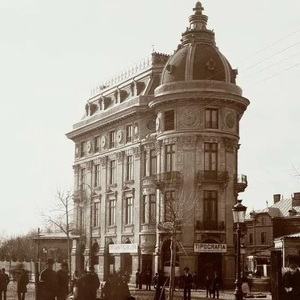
<point>123,248</point>
<point>208,247</point>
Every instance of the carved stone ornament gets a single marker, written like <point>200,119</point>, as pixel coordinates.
<point>151,125</point>
<point>148,240</point>
<point>120,136</point>
<point>210,65</point>
<point>89,147</point>
<point>188,141</point>
<point>76,151</point>
<point>171,140</point>
<point>120,156</point>
<point>136,152</point>
<point>229,144</point>
<point>89,165</point>
<point>158,124</point>
<point>158,147</point>
<point>76,169</point>
<point>103,141</point>
<point>230,120</point>
<point>103,160</point>
<point>136,129</point>
<point>188,118</point>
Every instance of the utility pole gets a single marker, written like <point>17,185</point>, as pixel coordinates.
<point>37,267</point>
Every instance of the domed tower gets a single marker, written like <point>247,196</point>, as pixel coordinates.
<point>198,107</point>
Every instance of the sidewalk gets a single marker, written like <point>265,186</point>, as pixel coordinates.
<point>138,294</point>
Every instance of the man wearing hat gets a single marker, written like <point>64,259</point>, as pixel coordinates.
<point>187,281</point>
<point>63,282</point>
<point>93,283</point>
<point>48,280</point>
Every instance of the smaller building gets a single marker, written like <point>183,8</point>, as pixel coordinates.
<point>289,245</point>
<point>53,245</point>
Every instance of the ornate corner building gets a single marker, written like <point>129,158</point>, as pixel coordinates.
<point>158,148</point>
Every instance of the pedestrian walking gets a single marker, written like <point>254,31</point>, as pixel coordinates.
<point>63,282</point>
<point>160,287</point>
<point>187,281</point>
<point>138,279</point>
<point>208,286</point>
<point>148,278</point>
<point>216,284</point>
<point>4,281</point>
<point>48,281</point>
<point>82,287</point>
<point>195,281</point>
<point>291,283</point>
<point>93,284</point>
<point>23,280</point>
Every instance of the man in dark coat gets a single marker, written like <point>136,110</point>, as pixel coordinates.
<point>138,279</point>
<point>4,282</point>
<point>23,280</point>
<point>148,278</point>
<point>291,283</point>
<point>48,281</point>
<point>187,281</point>
<point>216,283</point>
<point>82,285</point>
<point>93,283</point>
<point>160,286</point>
<point>63,282</point>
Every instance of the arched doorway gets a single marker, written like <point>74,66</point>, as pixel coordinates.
<point>95,254</point>
<point>126,261</point>
<point>166,257</point>
<point>109,261</point>
<point>80,257</point>
<point>208,263</point>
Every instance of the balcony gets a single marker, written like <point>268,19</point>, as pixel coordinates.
<point>210,225</point>
<point>166,180</point>
<point>212,177</point>
<point>241,183</point>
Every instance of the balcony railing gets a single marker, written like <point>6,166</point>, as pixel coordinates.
<point>210,225</point>
<point>165,179</point>
<point>241,183</point>
<point>212,176</point>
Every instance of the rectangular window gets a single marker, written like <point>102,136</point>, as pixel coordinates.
<point>170,158</point>
<point>97,169</point>
<point>128,210</point>
<point>128,133</point>
<point>210,212</point>
<point>211,118</point>
<point>210,160</point>
<point>112,172</point>
<point>80,218</point>
<point>169,204</point>
<point>153,162</point>
<point>111,212</point>
<point>144,208</point>
<point>112,139</point>
<point>152,209</point>
<point>83,149</point>
<point>129,168</point>
<point>145,164</point>
<point>97,144</point>
<point>169,120</point>
<point>250,238</point>
<point>263,238</point>
<point>96,214</point>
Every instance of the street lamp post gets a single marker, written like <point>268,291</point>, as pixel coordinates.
<point>238,212</point>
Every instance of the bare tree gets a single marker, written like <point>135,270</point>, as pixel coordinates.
<point>61,217</point>
<point>176,213</point>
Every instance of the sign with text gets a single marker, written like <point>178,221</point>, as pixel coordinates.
<point>208,247</point>
<point>123,248</point>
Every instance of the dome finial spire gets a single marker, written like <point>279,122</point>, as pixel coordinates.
<point>198,8</point>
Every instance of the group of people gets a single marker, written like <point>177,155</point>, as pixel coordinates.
<point>55,285</point>
<point>145,276</point>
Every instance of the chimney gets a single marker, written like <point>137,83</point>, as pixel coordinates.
<point>296,199</point>
<point>276,198</point>
<point>292,212</point>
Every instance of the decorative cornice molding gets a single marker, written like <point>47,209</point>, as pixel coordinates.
<point>158,147</point>
<point>170,140</point>
<point>137,152</point>
<point>103,161</point>
<point>89,165</point>
<point>120,156</point>
<point>230,144</point>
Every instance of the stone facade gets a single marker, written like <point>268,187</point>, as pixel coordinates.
<point>156,158</point>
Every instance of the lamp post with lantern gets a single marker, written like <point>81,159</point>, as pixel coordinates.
<point>238,211</point>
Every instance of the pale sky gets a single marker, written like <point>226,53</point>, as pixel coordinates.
<point>52,53</point>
